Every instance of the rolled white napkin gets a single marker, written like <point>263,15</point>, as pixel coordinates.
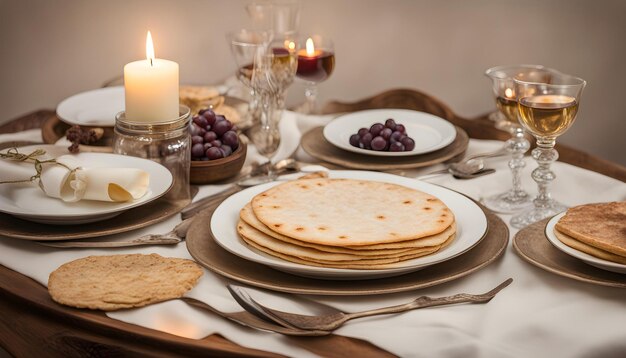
<point>69,181</point>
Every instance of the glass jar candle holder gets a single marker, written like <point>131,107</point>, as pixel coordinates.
<point>167,143</point>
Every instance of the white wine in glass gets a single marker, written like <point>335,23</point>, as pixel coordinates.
<point>546,111</point>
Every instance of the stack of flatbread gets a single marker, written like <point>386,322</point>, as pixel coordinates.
<point>346,223</point>
<point>596,229</point>
<point>202,97</point>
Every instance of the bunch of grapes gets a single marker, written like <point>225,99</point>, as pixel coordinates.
<point>212,136</point>
<point>389,137</point>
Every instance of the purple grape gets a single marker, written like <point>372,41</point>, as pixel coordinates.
<point>196,139</point>
<point>367,140</point>
<point>390,123</point>
<point>207,146</point>
<point>200,121</point>
<point>386,133</point>
<point>209,115</point>
<point>376,128</point>
<point>221,127</point>
<point>214,153</point>
<point>234,128</point>
<point>378,143</point>
<point>216,143</point>
<point>197,150</point>
<point>226,150</point>
<point>219,118</point>
<point>409,143</point>
<point>354,140</point>
<point>201,132</point>
<point>400,128</point>
<point>362,132</point>
<point>194,130</point>
<point>201,112</point>
<point>395,137</point>
<point>396,147</point>
<point>230,139</point>
<point>210,136</point>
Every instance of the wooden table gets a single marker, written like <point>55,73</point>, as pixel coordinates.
<point>32,325</point>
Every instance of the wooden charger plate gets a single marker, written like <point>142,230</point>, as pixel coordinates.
<point>533,246</point>
<point>128,220</point>
<point>314,143</point>
<point>203,248</point>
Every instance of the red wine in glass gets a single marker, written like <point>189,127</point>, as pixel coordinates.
<point>316,68</point>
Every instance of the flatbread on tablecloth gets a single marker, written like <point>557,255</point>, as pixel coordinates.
<point>122,281</point>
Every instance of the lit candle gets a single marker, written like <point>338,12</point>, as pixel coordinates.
<point>151,87</point>
<point>314,65</point>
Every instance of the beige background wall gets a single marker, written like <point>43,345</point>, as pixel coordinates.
<point>53,49</point>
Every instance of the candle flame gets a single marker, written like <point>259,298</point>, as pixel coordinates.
<point>149,48</point>
<point>508,93</point>
<point>291,46</point>
<point>310,49</point>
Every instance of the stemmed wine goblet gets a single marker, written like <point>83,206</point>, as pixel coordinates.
<point>267,69</point>
<point>546,110</point>
<point>515,199</point>
<point>316,62</point>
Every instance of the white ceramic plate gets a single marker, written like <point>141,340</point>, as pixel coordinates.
<point>588,259</point>
<point>429,132</point>
<point>93,108</point>
<point>470,219</point>
<point>29,202</point>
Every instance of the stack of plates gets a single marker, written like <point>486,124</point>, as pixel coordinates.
<point>436,140</point>
<point>218,246</point>
<point>55,219</point>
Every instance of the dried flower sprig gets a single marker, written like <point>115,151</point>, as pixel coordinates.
<point>13,154</point>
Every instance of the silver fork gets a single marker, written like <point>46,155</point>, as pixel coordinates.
<point>334,320</point>
<point>178,233</point>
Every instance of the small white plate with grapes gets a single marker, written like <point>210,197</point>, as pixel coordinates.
<point>390,132</point>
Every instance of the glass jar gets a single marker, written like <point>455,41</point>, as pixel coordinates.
<point>167,143</point>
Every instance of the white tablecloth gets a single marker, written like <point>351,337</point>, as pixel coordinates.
<point>540,314</point>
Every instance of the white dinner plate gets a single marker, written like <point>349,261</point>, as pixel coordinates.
<point>29,202</point>
<point>588,259</point>
<point>428,131</point>
<point>470,219</point>
<point>93,108</point>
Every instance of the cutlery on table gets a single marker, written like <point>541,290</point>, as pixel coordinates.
<point>334,320</point>
<point>249,320</point>
<point>178,233</point>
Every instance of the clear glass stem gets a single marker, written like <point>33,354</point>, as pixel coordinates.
<point>310,94</point>
<point>517,146</point>
<point>545,155</point>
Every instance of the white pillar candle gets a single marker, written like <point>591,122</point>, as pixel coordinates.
<point>151,87</point>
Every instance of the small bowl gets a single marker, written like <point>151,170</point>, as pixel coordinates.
<point>210,171</point>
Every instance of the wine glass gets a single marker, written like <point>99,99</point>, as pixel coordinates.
<point>268,67</point>
<point>546,110</point>
<point>244,46</point>
<point>316,62</point>
<point>515,199</point>
<point>279,16</point>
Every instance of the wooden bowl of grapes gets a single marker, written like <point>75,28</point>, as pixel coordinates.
<point>217,151</point>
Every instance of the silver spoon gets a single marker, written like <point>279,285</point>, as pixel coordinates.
<point>463,170</point>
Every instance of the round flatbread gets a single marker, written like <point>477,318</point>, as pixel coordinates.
<point>351,265</point>
<point>312,254</point>
<point>588,249</point>
<point>247,215</point>
<point>602,226</point>
<point>347,212</point>
<point>122,281</point>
